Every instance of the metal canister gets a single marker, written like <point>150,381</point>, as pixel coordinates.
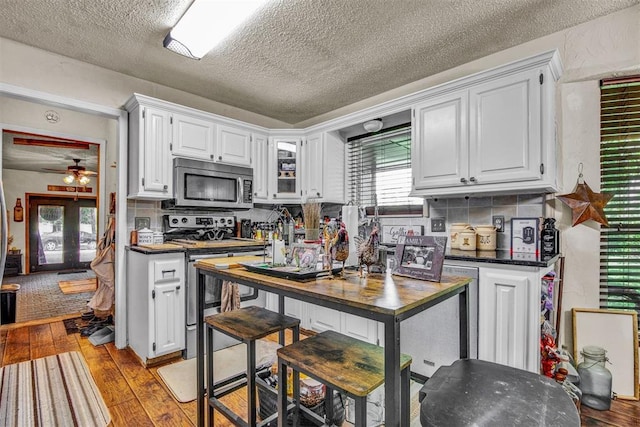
<point>486,237</point>
<point>467,239</point>
<point>456,229</point>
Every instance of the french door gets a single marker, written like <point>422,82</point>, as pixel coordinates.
<point>62,232</point>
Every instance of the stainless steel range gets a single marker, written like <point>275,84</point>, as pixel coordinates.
<point>209,236</point>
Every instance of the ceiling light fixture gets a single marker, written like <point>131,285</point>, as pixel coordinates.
<point>373,125</point>
<point>81,179</point>
<point>206,23</point>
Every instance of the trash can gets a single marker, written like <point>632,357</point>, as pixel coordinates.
<point>8,303</point>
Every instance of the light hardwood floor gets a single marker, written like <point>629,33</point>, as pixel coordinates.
<point>137,396</point>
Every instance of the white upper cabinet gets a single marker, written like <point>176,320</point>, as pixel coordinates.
<point>233,146</point>
<point>323,167</point>
<point>150,168</point>
<point>505,132</point>
<point>193,137</point>
<point>489,133</point>
<point>439,144</point>
<point>260,163</point>
<point>313,166</point>
<point>284,168</point>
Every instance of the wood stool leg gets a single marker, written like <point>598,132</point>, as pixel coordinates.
<point>282,393</point>
<point>361,411</point>
<point>405,397</point>
<point>251,381</point>
<point>210,389</point>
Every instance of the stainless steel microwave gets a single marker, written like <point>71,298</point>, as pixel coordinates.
<point>201,184</point>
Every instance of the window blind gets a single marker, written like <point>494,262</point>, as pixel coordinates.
<point>620,175</point>
<point>379,169</point>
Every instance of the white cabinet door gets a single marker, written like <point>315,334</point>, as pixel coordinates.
<point>260,163</point>
<point>504,318</point>
<point>193,137</point>
<point>295,308</point>
<point>359,328</point>
<point>233,146</point>
<point>157,168</point>
<point>323,319</point>
<point>505,129</point>
<point>439,151</point>
<point>169,308</point>
<point>313,166</point>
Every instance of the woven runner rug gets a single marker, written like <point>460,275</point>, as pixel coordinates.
<point>51,391</point>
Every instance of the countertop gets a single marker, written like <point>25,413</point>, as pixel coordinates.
<point>201,247</point>
<point>504,257</point>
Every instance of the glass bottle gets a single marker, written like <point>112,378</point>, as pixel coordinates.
<point>18,212</point>
<point>595,378</point>
<point>550,238</point>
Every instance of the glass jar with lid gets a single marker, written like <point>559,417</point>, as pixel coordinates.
<point>595,378</point>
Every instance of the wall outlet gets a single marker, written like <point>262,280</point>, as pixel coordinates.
<point>498,222</point>
<point>438,225</point>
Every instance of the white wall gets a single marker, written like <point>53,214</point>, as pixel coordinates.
<point>601,48</point>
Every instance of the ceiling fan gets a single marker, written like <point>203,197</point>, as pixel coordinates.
<point>76,173</point>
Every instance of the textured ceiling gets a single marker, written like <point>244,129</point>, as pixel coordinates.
<point>295,59</point>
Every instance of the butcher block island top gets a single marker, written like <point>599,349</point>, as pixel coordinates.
<point>381,293</point>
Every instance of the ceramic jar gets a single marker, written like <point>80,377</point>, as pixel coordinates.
<point>456,228</point>
<point>486,238</point>
<point>467,239</point>
<point>145,237</point>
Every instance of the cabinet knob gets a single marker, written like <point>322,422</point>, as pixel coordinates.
<point>178,288</point>
<point>463,180</point>
<point>255,194</point>
<point>274,196</point>
<point>219,157</point>
<point>472,179</point>
<point>211,156</point>
<point>318,194</point>
<point>165,187</point>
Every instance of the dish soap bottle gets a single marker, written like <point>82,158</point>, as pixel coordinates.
<point>550,238</point>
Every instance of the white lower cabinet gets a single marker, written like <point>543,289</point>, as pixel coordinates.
<point>509,316</point>
<point>319,319</point>
<point>155,304</point>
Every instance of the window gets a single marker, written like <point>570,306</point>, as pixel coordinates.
<point>379,169</point>
<point>620,172</point>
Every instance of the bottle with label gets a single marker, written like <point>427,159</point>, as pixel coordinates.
<point>550,238</point>
<point>18,212</point>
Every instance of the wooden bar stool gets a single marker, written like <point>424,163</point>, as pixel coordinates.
<point>345,364</point>
<point>246,325</point>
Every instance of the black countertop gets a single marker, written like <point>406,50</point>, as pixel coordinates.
<point>504,257</point>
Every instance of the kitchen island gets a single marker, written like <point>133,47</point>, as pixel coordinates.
<point>386,298</point>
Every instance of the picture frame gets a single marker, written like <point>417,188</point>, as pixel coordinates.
<point>391,233</point>
<point>525,235</point>
<point>615,331</point>
<point>141,222</point>
<point>420,257</point>
<point>304,255</point>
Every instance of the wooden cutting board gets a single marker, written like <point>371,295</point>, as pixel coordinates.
<point>230,262</point>
<point>161,246</point>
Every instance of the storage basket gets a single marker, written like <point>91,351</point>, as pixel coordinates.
<point>268,403</point>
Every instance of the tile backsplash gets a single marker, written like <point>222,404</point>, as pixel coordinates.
<point>472,210</point>
<point>480,210</point>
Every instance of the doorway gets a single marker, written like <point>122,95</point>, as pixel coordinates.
<point>62,232</point>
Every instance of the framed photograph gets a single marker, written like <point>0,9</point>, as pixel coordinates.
<point>420,257</point>
<point>304,255</point>
<point>616,331</point>
<point>391,233</point>
<point>141,222</point>
<point>525,235</point>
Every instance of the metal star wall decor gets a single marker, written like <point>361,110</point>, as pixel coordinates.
<point>585,204</point>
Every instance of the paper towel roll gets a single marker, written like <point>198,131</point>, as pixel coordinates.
<point>350,219</point>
